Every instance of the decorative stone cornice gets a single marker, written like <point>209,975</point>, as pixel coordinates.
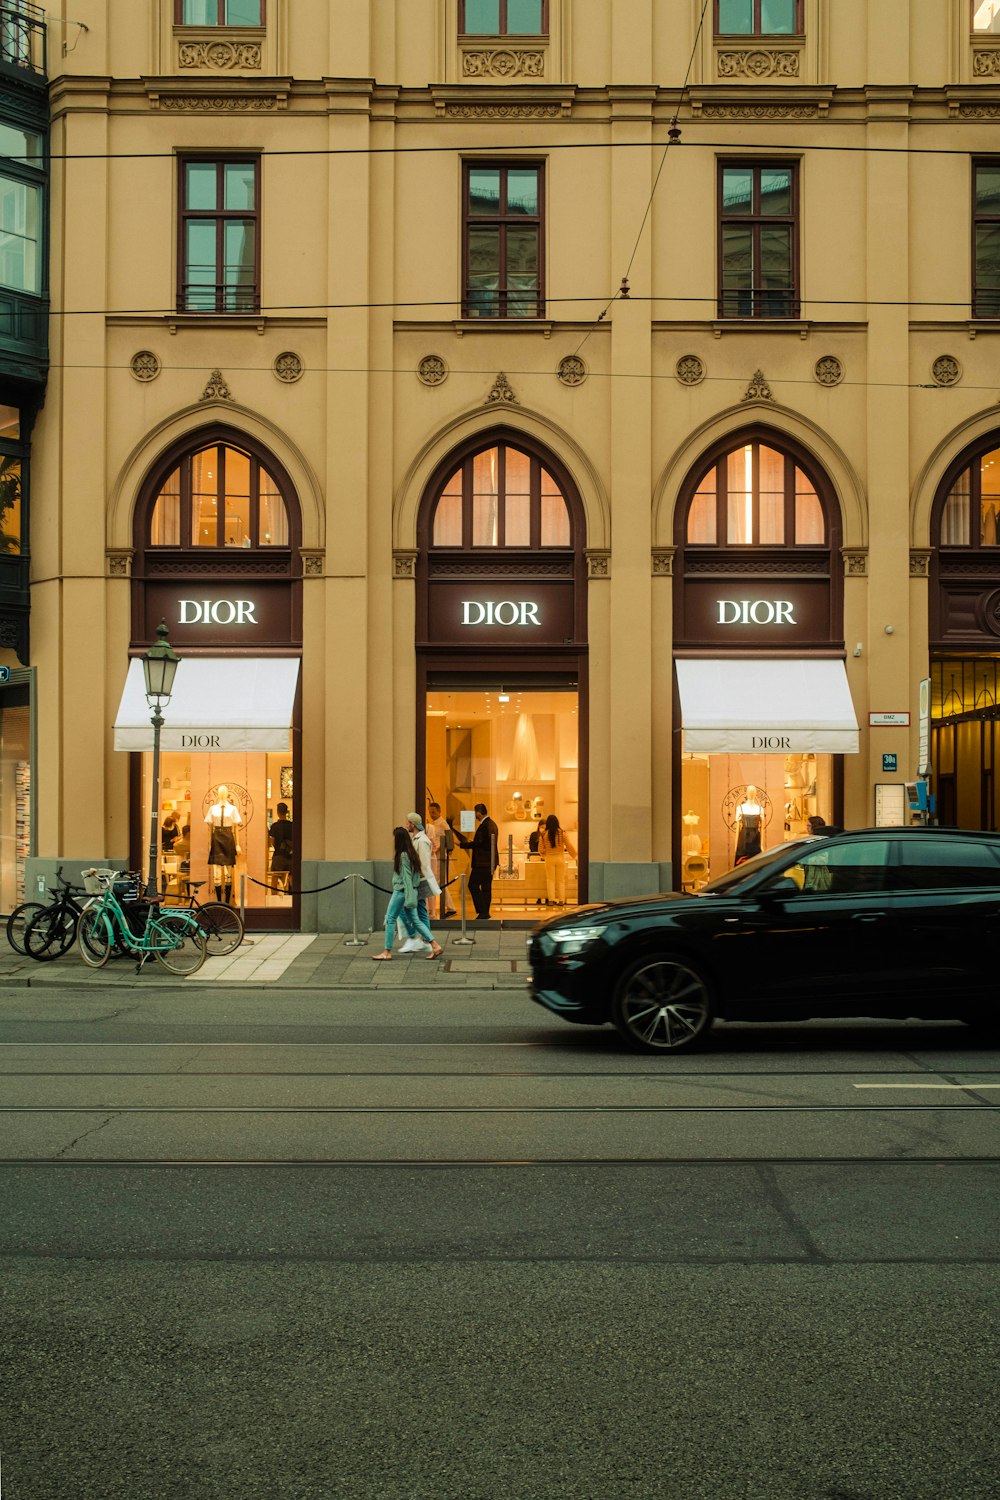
<point>504,111</point>
<point>663,561</point>
<point>119,560</point>
<point>598,562</point>
<point>855,561</point>
<point>920,562</point>
<point>758,62</point>
<point>757,111</point>
<point>312,562</point>
<point>218,55</point>
<point>985,62</point>
<point>404,562</point>
<point>503,62</point>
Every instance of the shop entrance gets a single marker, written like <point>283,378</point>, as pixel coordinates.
<point>15,793</point>
<point>719,793</point>
<point>516,749</point>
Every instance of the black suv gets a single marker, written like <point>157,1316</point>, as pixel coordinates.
<point>897,922</point>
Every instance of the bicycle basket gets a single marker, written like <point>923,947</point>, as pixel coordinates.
<point>96,882</point>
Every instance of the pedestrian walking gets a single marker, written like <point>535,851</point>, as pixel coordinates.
<point>404,900</point>
<point>428,886</point>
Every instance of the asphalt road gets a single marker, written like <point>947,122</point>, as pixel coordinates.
<point>426,1246</point>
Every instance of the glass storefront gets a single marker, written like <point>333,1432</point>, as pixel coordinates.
<point>15,794</point>
<point>249,797</point>
<point>733,806</point>
<point>518,751</point>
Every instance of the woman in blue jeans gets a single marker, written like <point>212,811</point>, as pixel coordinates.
<point>404,898</point>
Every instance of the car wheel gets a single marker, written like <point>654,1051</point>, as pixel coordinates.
<point>662,1004</point>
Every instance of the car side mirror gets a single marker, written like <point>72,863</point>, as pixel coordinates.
<point>780,889</point>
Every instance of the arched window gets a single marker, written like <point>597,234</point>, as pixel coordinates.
<point>970,513</point>
<point>501,497</point>
<point>220,496</point>
<point>753,495</point>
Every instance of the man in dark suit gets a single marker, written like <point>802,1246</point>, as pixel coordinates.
<point>485,859</point>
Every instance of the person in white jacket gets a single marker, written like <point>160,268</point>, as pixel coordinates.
<point>428,881</point>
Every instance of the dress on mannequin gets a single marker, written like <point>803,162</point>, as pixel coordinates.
<point>223,817</point>
<point>751,819</point>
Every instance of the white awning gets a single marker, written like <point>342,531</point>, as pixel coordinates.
<point>219,703</point>
<point>754,707</point>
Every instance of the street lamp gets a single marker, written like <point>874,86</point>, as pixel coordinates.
<point>159,664</point>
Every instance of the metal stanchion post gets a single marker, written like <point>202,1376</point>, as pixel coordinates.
<point>464,939</point>
<point>355,941</point>
<point>243,898</point>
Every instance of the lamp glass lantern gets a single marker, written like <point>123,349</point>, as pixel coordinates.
<point>159,665</point>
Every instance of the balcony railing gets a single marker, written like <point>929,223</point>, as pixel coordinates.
<point>22,36</point>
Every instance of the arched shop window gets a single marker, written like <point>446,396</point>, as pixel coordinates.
<point>970,513</point>
<point>755,495</point>
<point>501,497</point>
<point>220,497</point>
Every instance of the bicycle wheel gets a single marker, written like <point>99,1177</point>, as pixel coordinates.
<point>18,921</point>
<point>94,937</point>
<point>222,926</point>
<point>50,933</point>
<point>188,953</point>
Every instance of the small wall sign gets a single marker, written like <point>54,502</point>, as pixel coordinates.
<point>888,762</point>
<point>889,721</point>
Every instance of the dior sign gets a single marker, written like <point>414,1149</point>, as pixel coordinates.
<point>505,612</point>
<point>216,612</point>
<point>756,612</point>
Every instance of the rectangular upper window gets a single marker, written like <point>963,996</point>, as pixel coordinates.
<point>503,17</point>
<point>219,235</point>
<point>219,12</point>
<point>20,235</point>
<point>502,234</point>
<point>758,240</point>
<point>758,17</point>
<point>986,239</point>
<point>985,16</point>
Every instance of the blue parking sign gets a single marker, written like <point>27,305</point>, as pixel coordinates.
<point>888,762</point>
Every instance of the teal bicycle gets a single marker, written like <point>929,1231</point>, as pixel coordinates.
<point>117,921</point>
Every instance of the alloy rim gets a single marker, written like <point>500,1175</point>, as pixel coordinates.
<point>665,1005</point>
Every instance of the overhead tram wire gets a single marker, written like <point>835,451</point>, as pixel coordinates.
<point>673,135</point>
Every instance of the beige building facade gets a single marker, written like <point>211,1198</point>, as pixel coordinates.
<point>575,407</point>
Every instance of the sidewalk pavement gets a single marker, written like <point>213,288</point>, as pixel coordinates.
<point>497,960</point>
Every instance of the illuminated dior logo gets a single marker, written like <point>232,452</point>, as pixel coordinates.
<point>756,612</point>
<point>507,612</point>
<point>217,612</point>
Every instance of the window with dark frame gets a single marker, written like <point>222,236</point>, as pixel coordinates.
<point>502,238</point>
<point>758,17</point>
<point>970,516</point>
<point>758,240</point>
<point>986,239</point>
<point>503,17</point>
<point>756,496</point>
<point>222,497</point>
<point>219,12</point>
<point>219,235</point>
<point>501,497</point>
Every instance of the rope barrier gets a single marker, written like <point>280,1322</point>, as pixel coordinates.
<point>281,891</point>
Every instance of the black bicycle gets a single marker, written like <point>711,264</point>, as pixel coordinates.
<point>44,931</point>
<point>221,924</point>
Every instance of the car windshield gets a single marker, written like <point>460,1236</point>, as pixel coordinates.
<point>782,854</point>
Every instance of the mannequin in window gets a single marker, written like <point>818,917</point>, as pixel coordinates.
<point>223,818</point>
<point>691,842</point>
<point>751,819</point>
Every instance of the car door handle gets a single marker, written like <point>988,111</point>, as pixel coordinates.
<point>868,916</point>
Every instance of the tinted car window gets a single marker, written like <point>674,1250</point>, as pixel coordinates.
<point>944,864</point>
<point>750,869</point>
<point>840,869</point>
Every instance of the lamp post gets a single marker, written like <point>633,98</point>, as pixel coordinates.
<point>159,664</point>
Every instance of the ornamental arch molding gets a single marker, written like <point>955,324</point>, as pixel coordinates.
<point>186,425</point>
<point>785,424</point>
<point>928,481</point>
<point>516,421</point>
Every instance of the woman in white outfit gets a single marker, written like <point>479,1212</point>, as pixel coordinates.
<point>554,846</point>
